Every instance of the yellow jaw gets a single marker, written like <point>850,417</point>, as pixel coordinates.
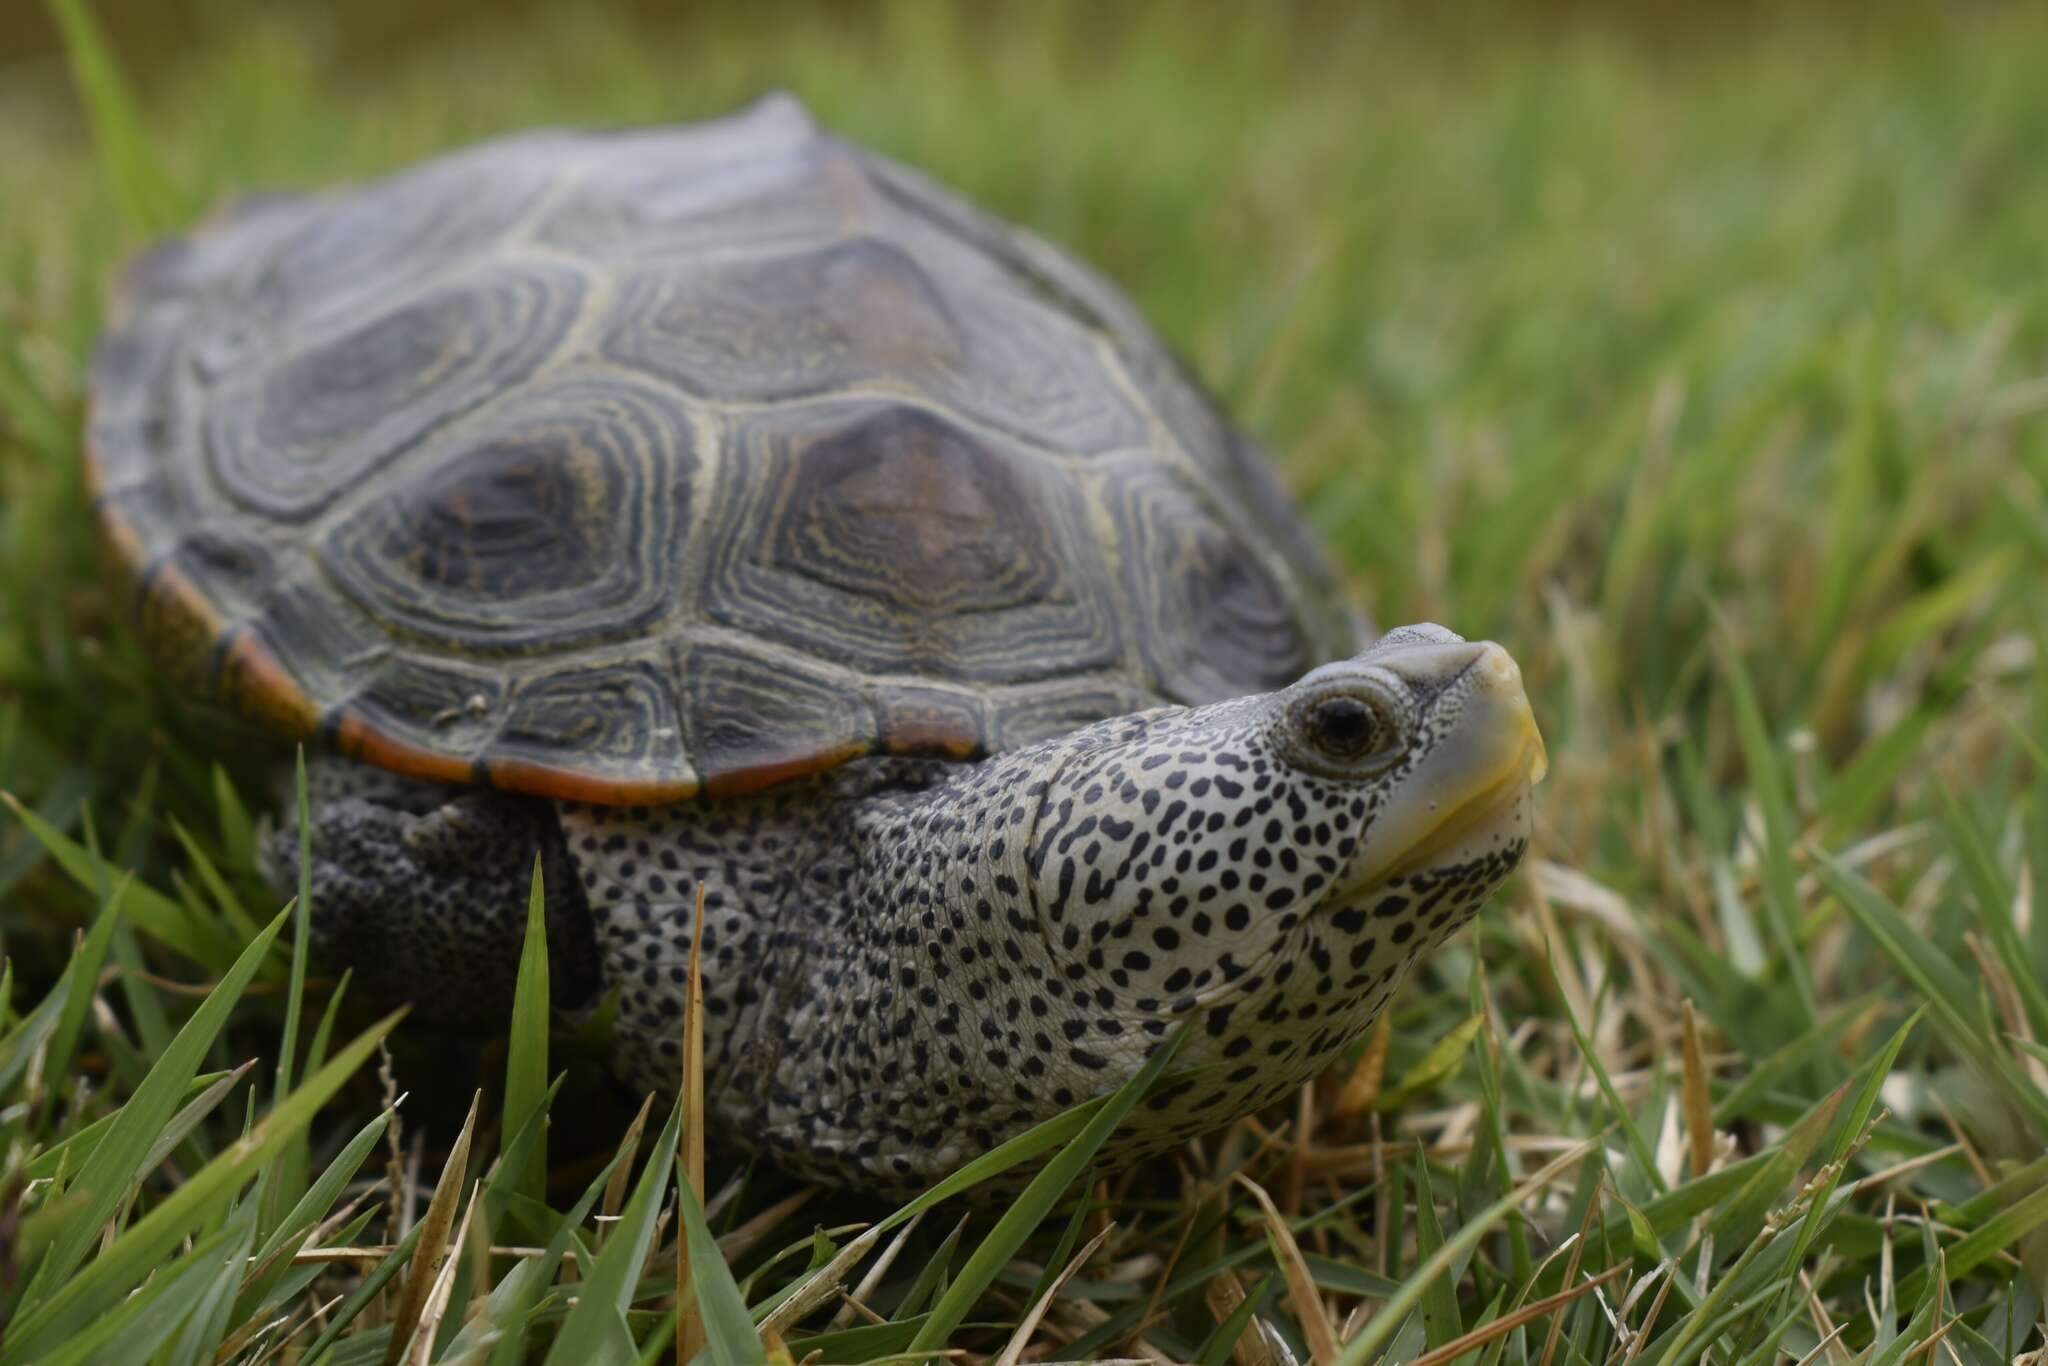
<point>1475,780</point>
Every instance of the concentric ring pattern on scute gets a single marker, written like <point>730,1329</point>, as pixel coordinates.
<point>628,466</point>
<point>555,518</point>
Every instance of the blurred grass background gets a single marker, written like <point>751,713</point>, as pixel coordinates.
<point>1700,354</point>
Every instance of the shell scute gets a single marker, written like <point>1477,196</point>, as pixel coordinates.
<point>624,467</point>
<point>761,719</point>
<point>720,188</point>
<point>888,539</point>
<point>615,720</point>
<point>287,439</point>
<point>552,521</point>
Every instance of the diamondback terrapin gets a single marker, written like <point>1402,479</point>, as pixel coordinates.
<point>727,505</point>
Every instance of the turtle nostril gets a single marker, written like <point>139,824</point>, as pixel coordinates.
<point>1497,667</point>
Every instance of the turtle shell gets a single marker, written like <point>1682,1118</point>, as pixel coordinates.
<point>629,466</point>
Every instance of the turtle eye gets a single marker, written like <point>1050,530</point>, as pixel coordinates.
<point>1345,728</point>
<point>1345,732</point>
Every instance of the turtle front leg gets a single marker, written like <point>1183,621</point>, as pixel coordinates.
<point>421,889</point>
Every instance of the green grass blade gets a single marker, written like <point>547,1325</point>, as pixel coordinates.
<point>71,1151</point>
<point>206,1327</point>
<point>1994,894</point>
<point>1028,1211</point>
<point>1781,896</point>
<point>1440,1320</point>
<point>286,1182</point>
<point>1435,1067</point>
<point>132,168</point>
<point>1944,986</point>
<point>526,1057</point>
<point>513,1302</point>
<point>147,1321</point>
<point>595,1331</point>
<point>20,1047</point>
<point>2001,1231</point>
<point>272,1259</point>
<point>932,1276</point>
<point>153,912</point>
<point>1645,1161</point>
<point>110,1275</point>
<point>729,1333</point>
<point>225,901</point>
<point>501,1193</point>
<point>237,831</point>
<point>1374,1336</point>
<point>361,1297</point>
<point>83,974</point>
<point>116,1164</point>
<point>1223,1341</point>
<point>1739,1218</point>
<point>323,1033</point>
<point>1769,1073</point>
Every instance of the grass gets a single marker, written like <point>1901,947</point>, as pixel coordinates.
<point>1709,370</point>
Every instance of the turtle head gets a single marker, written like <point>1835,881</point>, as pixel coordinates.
<point>1429,737</point>
<point>1279,860</point>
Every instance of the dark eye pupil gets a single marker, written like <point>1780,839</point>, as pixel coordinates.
<point>1345,725</point>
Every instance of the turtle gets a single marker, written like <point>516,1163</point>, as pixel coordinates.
<point>726,511</point>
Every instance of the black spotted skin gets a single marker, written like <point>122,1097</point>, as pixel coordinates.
<point>907,963</point>
<point>684,421</point>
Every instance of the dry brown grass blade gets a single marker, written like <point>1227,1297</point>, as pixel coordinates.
<point>481,1282</point>
<point>1362,1087</point>
<point>1699,1101</point>
<point>615,1188</point>
<point>1826,1346</point>
<point>1301,1288</point>
<point>1304,1140</point>
<point>436,1305</point>
<point>1224,1294</point>
<point>1013,1351</point>
<point>1507,1323</point>
<point>750,1235</point>
<point>822,1282</point>
<point>844,1318</point>
<point>434,1247</point>
<point>1638,1336</point>
<point>1165,1273</point>
<point>1571,1266</point>
<point>689,1323</point>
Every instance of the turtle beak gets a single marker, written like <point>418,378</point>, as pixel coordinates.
<point>1469,795</point>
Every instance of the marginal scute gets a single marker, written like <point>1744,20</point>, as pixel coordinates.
<point>363,738</point>
<point>886,538</point>
<point>623,466</point>
<point>1027,720</point>
<point>932,723</point>
<point>457,706</point>
<point>181,625</point>
<point>760,720</point>
<point>250,679</point>
<point>614,719</point>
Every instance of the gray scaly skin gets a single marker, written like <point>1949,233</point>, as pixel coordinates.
<point>909,961</point>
